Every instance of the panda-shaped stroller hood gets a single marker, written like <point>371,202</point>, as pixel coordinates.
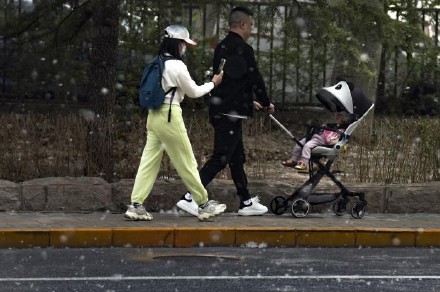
<point>345,97</point>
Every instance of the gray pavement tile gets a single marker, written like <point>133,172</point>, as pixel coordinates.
<point>38,220</point>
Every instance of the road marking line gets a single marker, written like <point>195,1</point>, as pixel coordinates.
<point>256,277</point>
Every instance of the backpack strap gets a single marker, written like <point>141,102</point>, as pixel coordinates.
<point>173,89</point>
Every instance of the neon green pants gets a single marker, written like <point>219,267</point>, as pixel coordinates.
<point>173,138</point>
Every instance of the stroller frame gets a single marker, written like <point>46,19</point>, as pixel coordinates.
<point>303,197</point>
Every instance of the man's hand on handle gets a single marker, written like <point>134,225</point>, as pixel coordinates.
<point>270,109</point>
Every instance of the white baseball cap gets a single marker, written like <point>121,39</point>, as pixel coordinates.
<point>177,31</point>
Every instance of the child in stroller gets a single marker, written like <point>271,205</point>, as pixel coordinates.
<point>341,97</point>
<point>326,134</point>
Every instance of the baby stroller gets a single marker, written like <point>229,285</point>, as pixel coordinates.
<point>342,97</point>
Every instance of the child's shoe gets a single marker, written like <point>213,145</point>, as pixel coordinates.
<point>301,166</point>
<point>288,163</point>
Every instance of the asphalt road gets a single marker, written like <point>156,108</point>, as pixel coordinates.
<point>220,269</point>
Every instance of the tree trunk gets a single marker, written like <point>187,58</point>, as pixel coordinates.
<point>381,77</point>
<point>102,80</point>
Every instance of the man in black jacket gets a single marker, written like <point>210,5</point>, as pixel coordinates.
<point>230,103</point>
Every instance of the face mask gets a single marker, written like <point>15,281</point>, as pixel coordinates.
<point>183,50</point>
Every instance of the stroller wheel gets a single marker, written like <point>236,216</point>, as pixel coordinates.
<point>358,210</point>
<point>300,208</point>
<point>340,206</point>
<point>278,205</point>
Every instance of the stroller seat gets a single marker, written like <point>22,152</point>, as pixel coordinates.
<point>343,96</point>
<point>332,151</point>
<point>326,151</point>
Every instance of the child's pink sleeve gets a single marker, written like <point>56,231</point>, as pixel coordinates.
<point>331,137</point>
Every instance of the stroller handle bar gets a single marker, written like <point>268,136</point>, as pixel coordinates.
<point>282,127</point>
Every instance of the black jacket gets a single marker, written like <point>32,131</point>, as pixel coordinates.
<point>241,79</point>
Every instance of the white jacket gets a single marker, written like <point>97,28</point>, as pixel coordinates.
<point>176,74</point>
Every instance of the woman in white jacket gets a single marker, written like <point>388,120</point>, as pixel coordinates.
<point>172,136</point>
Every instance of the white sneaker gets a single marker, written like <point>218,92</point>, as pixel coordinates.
<point>137,213</point>
<point>220,208</point>
<point>255,209</point>
<point>188,206</point>
<point>191,206</point>
<point>210,209</point>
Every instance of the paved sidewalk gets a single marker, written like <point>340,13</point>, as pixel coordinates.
<point>178,229</point>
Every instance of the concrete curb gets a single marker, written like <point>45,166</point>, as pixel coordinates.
<point>219,236</point>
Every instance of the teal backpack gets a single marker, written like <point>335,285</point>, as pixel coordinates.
<point>151,93</point>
